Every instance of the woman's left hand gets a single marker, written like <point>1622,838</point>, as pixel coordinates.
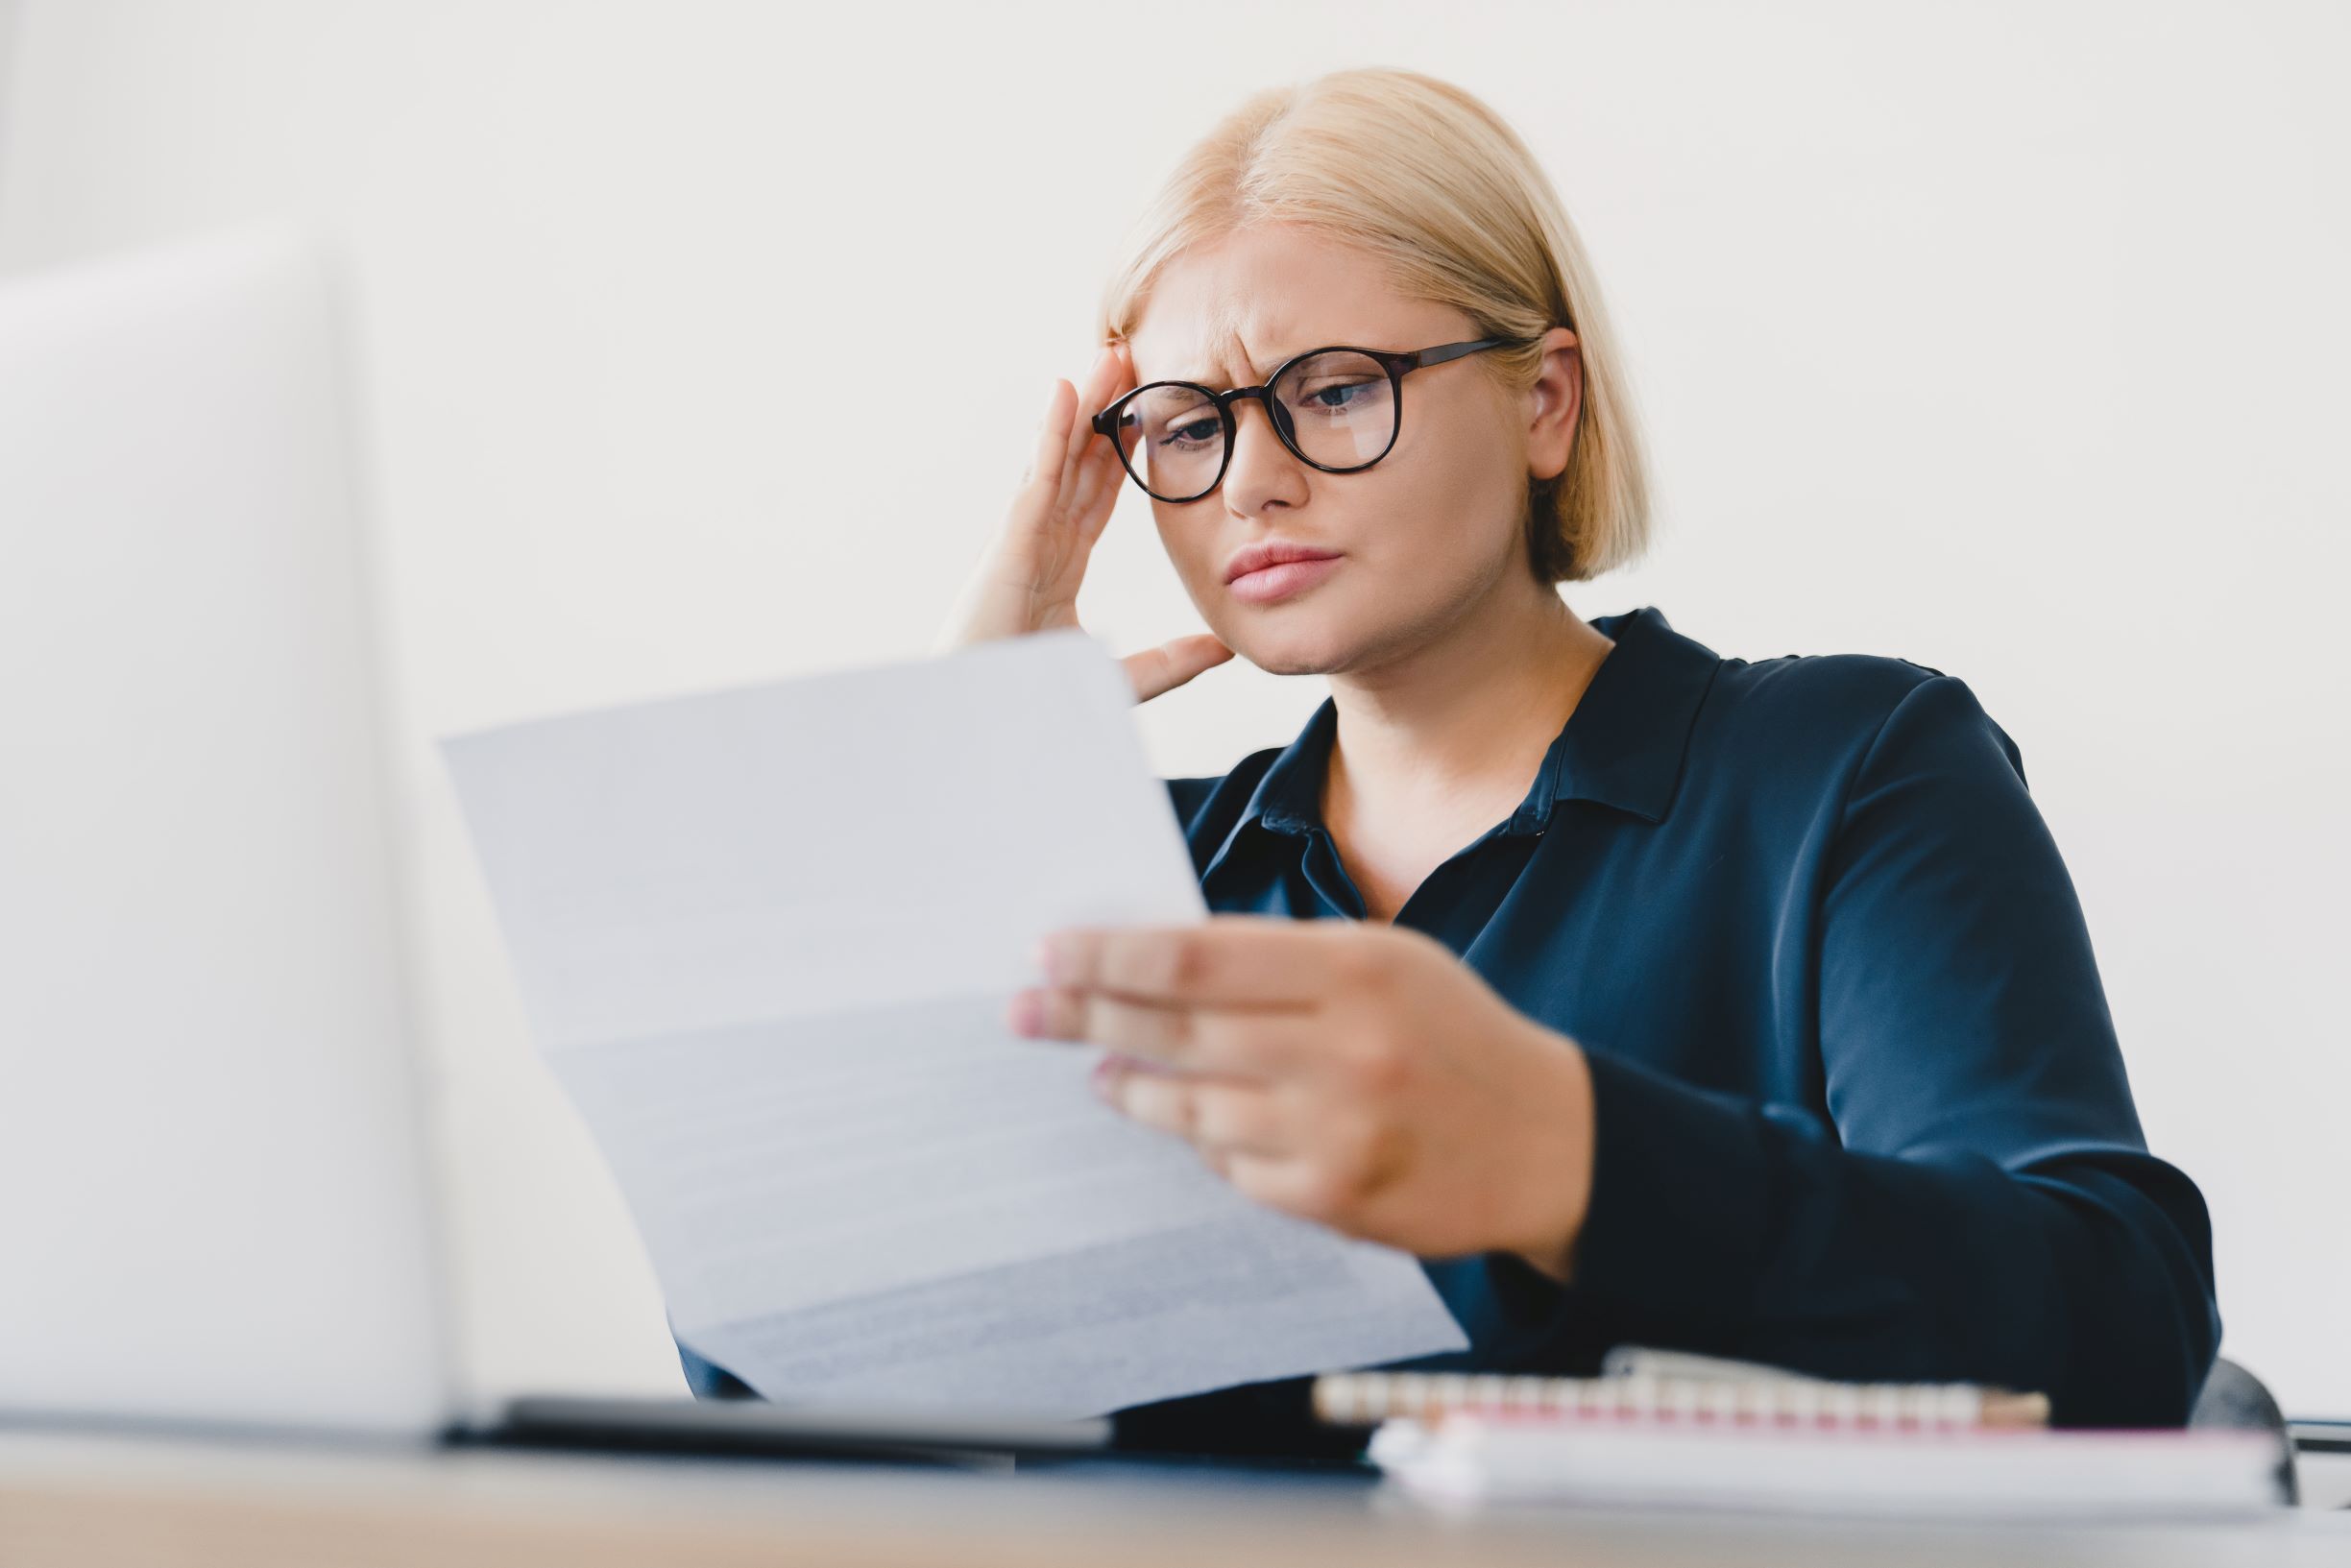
<point>1351,1073</point>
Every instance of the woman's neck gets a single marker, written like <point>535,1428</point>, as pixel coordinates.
<point>1462,722</point>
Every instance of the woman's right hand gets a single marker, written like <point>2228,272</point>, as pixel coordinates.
<point>1028,580</point>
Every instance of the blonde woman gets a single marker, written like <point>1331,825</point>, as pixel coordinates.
<point>1645,994</point>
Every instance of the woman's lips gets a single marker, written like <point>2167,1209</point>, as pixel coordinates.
<point>1268,584</point>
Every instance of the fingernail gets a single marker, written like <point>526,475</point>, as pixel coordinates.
<point>1047,958</point>
<point>1026,1014</point>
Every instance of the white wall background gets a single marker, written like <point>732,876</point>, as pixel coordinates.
<point>2010,339</point>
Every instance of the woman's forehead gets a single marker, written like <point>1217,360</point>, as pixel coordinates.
<point>1245,355</point>
<point>1228,315</point>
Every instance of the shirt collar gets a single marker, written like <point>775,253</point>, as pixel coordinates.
<point>1623,746</point>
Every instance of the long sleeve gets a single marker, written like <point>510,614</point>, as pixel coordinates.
<point>1860,1105</point>
<point>1981,1205</point>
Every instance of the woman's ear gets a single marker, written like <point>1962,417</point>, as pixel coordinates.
<point>1554,401</point>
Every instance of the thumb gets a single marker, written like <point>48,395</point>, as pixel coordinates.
<point>1169,665</point>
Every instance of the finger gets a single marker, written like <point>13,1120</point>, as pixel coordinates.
<point>1240,1045</point>
<point>1099,471</point>
<point>1082,432</point>
<point>1096,493</point>
<point>1119,379</point>
<point>1110,377</point>
<point>1044,460</point>
<point>1227,960</point>
<point>1169,665</point>
<point>1128,378</point>
<point>1117,376</point>
<point>1288,1180</point>
<point>1227,1118</point>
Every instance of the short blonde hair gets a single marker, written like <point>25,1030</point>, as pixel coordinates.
<point>1428,180</point>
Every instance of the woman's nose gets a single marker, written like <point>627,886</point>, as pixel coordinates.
<point>1262,468</point>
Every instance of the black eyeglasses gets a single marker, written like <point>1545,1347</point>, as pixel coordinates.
<point>1337,409</point>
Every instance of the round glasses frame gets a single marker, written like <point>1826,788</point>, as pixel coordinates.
<point>1398,364</point>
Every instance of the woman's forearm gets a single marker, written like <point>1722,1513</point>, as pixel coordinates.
<point>1751,1231</point>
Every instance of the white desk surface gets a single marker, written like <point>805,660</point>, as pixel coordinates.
<point>99,1499</point>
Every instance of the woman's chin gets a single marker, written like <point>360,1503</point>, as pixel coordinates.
<point>1290,650</point>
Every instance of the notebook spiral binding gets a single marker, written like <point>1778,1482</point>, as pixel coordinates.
<point>1368,1398</point>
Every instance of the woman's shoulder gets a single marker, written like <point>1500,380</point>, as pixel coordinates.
<point>1790,707</point>
<point>1842,692</point>
<point>1839,709</point>
<point>1849,685</point>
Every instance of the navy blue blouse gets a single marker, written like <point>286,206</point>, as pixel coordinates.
<point>1860,1107</point>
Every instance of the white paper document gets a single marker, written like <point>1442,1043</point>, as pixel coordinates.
<point>766,937</point>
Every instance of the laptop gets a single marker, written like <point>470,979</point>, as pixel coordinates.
<point>218,1208</point>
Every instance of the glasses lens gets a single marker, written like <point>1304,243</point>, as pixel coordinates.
<point>1173,440</point>
<point>1341,407</point>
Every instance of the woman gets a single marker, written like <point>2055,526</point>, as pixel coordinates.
<point>1647,996</point>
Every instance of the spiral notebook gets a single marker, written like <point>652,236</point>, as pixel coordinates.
<point>1647,1386</point>
<point>1670,1431</point>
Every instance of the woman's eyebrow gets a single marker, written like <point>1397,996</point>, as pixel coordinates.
<point>1256,377</point>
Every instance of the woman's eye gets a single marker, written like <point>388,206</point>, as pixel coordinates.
<point>1337,394</point>
<point>1199,430</point>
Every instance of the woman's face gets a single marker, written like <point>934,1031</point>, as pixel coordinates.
<point>1427,535</point>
